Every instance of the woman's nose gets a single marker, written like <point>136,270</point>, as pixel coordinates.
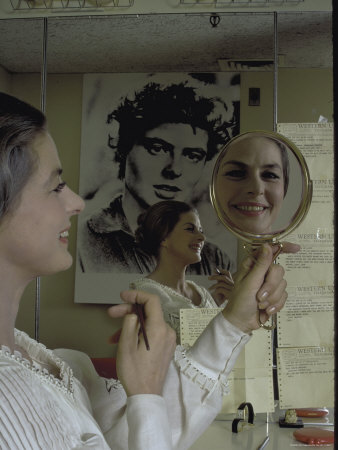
<point>75,203</point>
<point>255,186</point>
<point>201,236</point>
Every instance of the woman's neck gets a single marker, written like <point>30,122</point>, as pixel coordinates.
<point>10,294</point>
<point>8,314</point>
<point>170,275</point>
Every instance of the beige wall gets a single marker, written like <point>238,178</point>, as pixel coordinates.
<point>303,96</point>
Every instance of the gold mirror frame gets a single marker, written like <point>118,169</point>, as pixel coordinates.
<point>298,216</point>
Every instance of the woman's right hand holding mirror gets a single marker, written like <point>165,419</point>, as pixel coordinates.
<point>225,281</point>
<point>258,281</point>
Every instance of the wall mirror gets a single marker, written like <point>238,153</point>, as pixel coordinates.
<point>82,42</point>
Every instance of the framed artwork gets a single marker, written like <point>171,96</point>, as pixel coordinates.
<point>147,138</point>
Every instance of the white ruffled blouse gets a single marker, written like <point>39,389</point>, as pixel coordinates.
<point>39,410</point>
<point>79,410</point>
<point>196,381</point>
<point>172,301</point>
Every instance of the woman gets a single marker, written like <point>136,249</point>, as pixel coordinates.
<point>171,232</point>
<point>159,403</point>
<point>252,182</point>
<point>42,405</point>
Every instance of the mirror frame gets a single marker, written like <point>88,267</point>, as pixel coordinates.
<point>299,215</point>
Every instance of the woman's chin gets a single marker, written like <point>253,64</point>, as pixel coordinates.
<point>63,265</point>
<point>196,260</point>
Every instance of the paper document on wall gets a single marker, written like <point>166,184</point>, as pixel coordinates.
<point>315,141</point>
<point>305,377</point>
<point>307,317</point>
<point>314,262</point>
<point>251,379</point>
<point>306,323</point>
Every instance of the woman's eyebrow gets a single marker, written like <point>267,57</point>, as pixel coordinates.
<point>55,173</point>
<point>272,166</point>
<point>243,165</point>
<point>235,163</point>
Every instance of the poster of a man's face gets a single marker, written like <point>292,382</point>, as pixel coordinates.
<point>147,138</point>
<point>166,164</point>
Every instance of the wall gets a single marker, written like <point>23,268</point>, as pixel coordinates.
<point>5,80</point>
<point>303,95</point>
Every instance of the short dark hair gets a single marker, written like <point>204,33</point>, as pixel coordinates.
<point>155,105</point>
<point>157,222</point>
<point>20,124</point>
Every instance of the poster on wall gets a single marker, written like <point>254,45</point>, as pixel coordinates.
<point>147,138</point>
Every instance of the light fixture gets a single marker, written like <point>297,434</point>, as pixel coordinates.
<point>68,4</point>
<point>239,2</point>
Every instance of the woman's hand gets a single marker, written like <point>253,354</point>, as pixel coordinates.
<point>225,282</point>
<point>223,287</point>
<point>259,284</point>
<point>143,371</point>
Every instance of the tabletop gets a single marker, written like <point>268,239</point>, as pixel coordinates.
<point>220,437</point>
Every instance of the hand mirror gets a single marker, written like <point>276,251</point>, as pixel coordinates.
<point>261,188</point>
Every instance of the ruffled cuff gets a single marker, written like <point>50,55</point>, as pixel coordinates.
<point>190,369</point>
<point>212,357</point>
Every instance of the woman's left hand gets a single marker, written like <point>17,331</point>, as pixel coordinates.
<point>222,289</point>
<point>143,371</point>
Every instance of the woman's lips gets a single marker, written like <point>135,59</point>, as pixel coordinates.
<point>250,209</point>
<point>197,247</point>
<point>64,236</point>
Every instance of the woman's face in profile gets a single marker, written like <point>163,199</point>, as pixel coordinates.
<point>166,164</point>
<point>250,184</point>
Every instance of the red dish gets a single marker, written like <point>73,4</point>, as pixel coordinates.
<point>314,436</point>
<point>312,412</point>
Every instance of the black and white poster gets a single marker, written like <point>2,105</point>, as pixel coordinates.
<point>147,138</point>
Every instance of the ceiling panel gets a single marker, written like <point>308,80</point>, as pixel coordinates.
<point>164,42</point>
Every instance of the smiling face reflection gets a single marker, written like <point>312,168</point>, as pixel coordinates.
<point>185,242</point>
<point>250,184</point>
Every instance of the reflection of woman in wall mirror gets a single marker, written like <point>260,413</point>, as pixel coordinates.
<point>171,231</point>
<point>261,187</point>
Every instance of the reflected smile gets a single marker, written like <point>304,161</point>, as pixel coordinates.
<point>250,209</point>
<point>197,247</point>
